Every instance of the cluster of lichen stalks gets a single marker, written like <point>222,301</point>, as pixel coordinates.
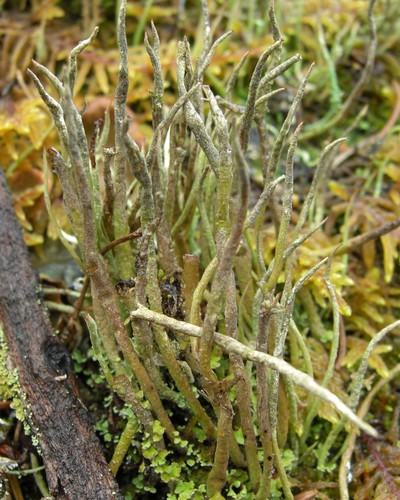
<point>193,183</point>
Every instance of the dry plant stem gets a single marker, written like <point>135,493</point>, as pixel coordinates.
<point>122,239</point>
<point>243,389</point>
<point>352,437</point>
<point>55,306</point>
<point>231,345</point>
